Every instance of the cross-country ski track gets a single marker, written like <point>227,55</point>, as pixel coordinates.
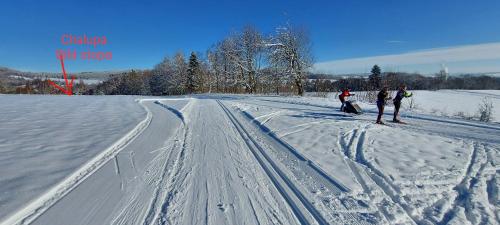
<point>239,160</point>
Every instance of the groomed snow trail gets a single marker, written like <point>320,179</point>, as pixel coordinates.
<point>247,160</point>
<point>220,181</point>
<point>189,166</point>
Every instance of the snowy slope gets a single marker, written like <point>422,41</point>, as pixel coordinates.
<point>239,159</point>
<point>123,185</point>
<point>43,139</point>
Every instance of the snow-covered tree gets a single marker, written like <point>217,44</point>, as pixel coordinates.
<point>161,78</point>
<point>132,83</point>
<point>290,53</point>
<point>227,67</point>
<point>203,79</point>
<point>485,110</point>
<point>179,76</point>
<point>251,45</point>
<point>214,63</point>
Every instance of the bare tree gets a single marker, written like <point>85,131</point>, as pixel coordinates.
<point>2,88</point>
<point>180,72</point>
<point>235,61</point>
<point>251,45</point>
<point>214,68</point>
<point>80,87</point>
<point>227,69</point>
<point>291,53</point>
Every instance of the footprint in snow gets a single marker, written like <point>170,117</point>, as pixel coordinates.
<point>221,207</point>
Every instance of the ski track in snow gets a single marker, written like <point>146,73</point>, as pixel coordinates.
<point>197,194</point>
<point>352,148</point>
<point>274,172</point>
<point>330,197</point>
<point>468,187</point>
<point>390,190</point>
<point>223,163</point>
<point>352,143</point>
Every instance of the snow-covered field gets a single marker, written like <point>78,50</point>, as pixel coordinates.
<point>444,103</point>
<point>43,139</point>
<point>449,103</point>
<point>236,159</point>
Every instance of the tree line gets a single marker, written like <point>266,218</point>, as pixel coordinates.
<point>378,79</point>
<point>246,61</point>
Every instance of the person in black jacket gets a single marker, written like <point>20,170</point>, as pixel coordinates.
<point>382,98</point>
<point>402,93</point>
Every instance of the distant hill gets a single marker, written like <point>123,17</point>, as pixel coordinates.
<point>491,74</point>
<point>366,75</point>
<point>15,77</point>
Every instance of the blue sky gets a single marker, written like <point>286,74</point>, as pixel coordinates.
<point>141,33</point>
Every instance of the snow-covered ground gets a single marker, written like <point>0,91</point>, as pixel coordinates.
<point>449,103</point>
<point>43,139</point>
<point>236,159</point>
<point>416,173</point>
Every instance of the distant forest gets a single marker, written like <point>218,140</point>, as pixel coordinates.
<point>414,81</point>
<point>248,61</point>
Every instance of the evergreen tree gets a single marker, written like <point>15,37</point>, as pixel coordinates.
<point>192,72</point>
<point>375,78</point>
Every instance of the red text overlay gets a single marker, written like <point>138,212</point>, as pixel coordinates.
<point>83,41</point>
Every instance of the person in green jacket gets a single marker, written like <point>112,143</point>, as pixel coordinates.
<point>402,93</point>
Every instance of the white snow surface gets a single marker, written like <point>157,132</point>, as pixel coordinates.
<point>237,159</point>
<point>449,103</point>
<point>43,139</point>
<point>443,103</point>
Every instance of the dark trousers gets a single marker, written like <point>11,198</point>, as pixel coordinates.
<point>380,107</point>
<point>397,105</point>
<point>342,100</point>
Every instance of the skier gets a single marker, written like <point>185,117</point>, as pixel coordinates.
<point>402,93</point>
<point>382,98</point>
<point>345,93</point>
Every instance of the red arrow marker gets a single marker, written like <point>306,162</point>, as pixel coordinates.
<point>69,86</point>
